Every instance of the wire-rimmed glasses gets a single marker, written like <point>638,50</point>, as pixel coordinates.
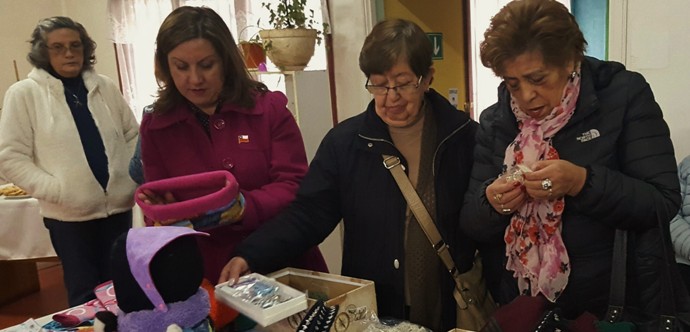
<point>62,49</point>
<point>403,89</point>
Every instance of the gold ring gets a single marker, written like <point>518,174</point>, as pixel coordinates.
<point>498,197</point>
<point>550,192</point>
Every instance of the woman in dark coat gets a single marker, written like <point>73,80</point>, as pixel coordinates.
<point>347,180</point>
<point>574,148</point>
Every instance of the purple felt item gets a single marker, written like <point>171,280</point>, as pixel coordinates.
<point>196,194</point>
<point>142,244</point>
<point>184,314</point>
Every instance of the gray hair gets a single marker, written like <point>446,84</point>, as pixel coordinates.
<point>38,56</point>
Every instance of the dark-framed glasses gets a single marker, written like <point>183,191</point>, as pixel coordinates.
<point>403,89</point>
<point>62,49</point>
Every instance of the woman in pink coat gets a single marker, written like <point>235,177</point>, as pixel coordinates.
<point>211,115</point>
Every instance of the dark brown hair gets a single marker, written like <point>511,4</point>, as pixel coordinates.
<point>187,23</point>
<point>38,55</point>
<point>524,26</point>
<point>392,40</point>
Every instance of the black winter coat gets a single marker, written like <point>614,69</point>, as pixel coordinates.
<point>619,134</point>
<point>347,180</point>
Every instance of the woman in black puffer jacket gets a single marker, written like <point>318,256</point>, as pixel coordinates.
<point>574,148</point>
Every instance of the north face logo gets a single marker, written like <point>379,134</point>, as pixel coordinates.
<point>588,135</point>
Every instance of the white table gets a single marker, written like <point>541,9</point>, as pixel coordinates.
<point>23,241</point>
<point>31,325</point>
<point>22,234</point>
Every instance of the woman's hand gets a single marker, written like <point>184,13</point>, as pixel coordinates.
<point>505,196</point>
<point>554,179</point>
<point>149,197</point>
<point>232,271</point>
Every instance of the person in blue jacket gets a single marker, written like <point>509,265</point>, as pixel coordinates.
<point>680,225</point>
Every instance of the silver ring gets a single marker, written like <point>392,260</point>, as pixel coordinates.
<point>546,184</point>
<point>505,210</point>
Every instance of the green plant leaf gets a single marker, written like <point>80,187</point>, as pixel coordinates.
<point>291,14</point>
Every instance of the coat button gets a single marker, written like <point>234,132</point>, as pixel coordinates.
<point>370,145</point>
<point>227,163</point>
<point>219,124</point>
<point>396,264</point>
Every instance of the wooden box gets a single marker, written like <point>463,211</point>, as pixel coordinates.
<point>355,298</point>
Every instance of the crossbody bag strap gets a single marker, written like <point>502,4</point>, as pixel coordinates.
<point>670,286</point>
<point>618,272</point>
<point>393,164</point>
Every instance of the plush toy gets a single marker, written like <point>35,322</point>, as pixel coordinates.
<point>202,201</point>
<point>157,276</point>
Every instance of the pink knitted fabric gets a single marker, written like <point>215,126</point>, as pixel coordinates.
<point>196,195</point>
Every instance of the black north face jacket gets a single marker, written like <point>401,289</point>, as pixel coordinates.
<point>619,134</point>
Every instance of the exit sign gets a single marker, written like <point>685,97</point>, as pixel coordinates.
<point>436,39</point>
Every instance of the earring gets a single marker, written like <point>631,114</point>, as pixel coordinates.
<point>573,75</point>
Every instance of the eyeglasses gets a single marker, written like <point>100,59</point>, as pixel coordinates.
<point>404,89</point>
<point>62,49</point>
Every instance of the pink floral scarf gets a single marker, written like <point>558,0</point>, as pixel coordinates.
<point>534,246</point>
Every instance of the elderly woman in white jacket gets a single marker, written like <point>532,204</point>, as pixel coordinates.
<point>67,137</point>
<point>680,225</point>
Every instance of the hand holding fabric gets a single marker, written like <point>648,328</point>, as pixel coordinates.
<point>554,179</point>
<point>506,195</point>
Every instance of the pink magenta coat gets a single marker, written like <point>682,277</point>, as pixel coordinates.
<point>263,149</point>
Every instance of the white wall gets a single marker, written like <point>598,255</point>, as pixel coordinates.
<point>18,18</point>
<point>93,15</point>
<point>17,21</point>
<point>351,22</point>
<point>484,82</point>
<point>651,37</point>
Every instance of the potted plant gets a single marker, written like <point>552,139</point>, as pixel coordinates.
<point>253,52</point>
<point>291,41</point>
